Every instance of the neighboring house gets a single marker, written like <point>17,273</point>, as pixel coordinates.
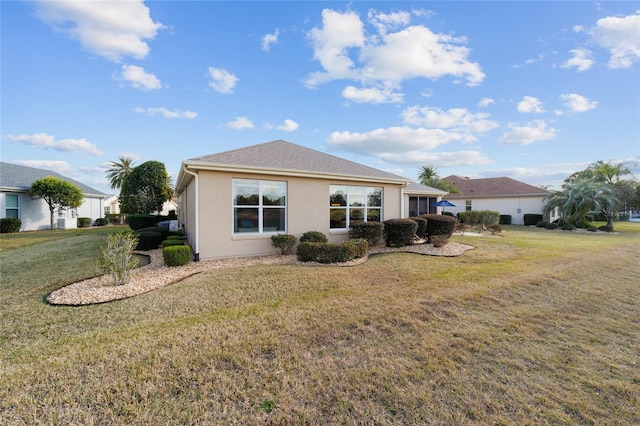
<point>15,201</point>
<point>112,206</point>
<point>231,203</point>
<point>505,195</point>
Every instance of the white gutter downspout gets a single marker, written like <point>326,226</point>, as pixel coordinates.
<point>196,256</point>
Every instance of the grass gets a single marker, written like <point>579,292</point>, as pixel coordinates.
<point>532,327</point>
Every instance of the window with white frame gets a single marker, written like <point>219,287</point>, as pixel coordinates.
<point>11,206</point>
<point>354,204</point>
<point>467,205</point>
<point>259,206</point>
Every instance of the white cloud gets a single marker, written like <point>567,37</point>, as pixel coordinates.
<point>582,60</point>
<point>222,81</point>
<point>440,159</point>
<point>530,104</point>
<point>288,126</point>
<point>577,103</point>
<point>535,131</point>
<point>390,57</point>
<point>167,113</point>
<point>139,78</point>
<point>372,95</point>
<point>485,102</point>
<point>61,167</point>
<point>621,36</point>
<point>269,39</point>
<point>113,29</point>
<point>44,140</point>
<point>240,123</point>
<point>456,119</point>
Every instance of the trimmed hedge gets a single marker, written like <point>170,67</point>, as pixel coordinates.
<point>370,231</point>
<point>421,232</point>
<point>532,219</point>
<point>139,221</point>
<point>505,219</point>
<point>332,252</point>
<point>284,242</point>
<point>438,224</point>
<point>480,217</point>
<point>148,240</point>
<point>9,225</point>
<point>167,243</point>
<point>84,222</point>
<point>102,221</point>
<point>176,255</point>
<point>313,237</point>
<point>175,234</point>
<point>399,232</point>
<point>163,231</point>
<point>175,237</point>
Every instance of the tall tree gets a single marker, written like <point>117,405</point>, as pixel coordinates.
<point>601,171</point>
<point>119,171</point>
<point>57,193</point>
<point>429,176</point>
<point>145,189</point>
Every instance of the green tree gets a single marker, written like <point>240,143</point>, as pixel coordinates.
<point>145,189</point>
<point>428,173</point>
<point>580,197</point>
<point>57,193</point>
<point>429,176</point>
<point>119,171</point>
<point>601,171</point>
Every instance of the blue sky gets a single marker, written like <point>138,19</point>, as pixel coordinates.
<point>529,90</point>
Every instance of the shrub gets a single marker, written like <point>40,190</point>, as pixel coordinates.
<point>505,219</point>
<point>370,231</point>
<point>175,237</point>
<point>332,252</point>
<point>469,217</point>
<point>84,222</point>
<point>495,228</point>
<point>551,225</point>
<point>448,214</point>
<point>438,224</point>
<point>592,229</point>
<point>568,227</point>
<point>422,226</point>
<point>102,221</point>
<point>605,228</point>
<point>113,218</point>
<point>176,255</point>
<point>399,232</point>
<point>172,215</point>
<point>10,225</point>
<point>139,221</point>
<point>284,242</point>
<point>117,258</point>
<point>487,217</point>
<point>175,234</point>
<point>167,243</point>
<point>163,231</point>
<point>439,240</point>
<point>541,224</point>
<point>532,219</point>
<point>313,237</point>
<point>148,240</point>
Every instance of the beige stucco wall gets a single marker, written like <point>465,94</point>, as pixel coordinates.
<point>307,210</point>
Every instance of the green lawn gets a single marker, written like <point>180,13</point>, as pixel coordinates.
<point>531,327</point>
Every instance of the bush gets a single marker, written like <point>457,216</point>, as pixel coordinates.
<point>605,228</point>
<point>84,222</point>
<point>117,258</point>
<point>167,243</point>
<point>421,232</point>
<point>438,224</point>
<point>172,215</point>
<point>148,240</point>
<point>505,219</point>
<point>439,240</point>
<point>469,217</point>
<point>175,237</point>
<point>163,231</point>
<point>541,224</point>
<point>284,242</point>
<point>551,225</point>
<point>370,231</point>
<point>448,214</point>
<point>139,221</point>
<point>313,237</point>
<point>176,255</point>
<point>10,225</point>
<point>532,219</point>
<point>568,227</point>
<point>399,232</point>
<point>332,252</point>
<point>102,221</point>
<point>175,234</point>
<point>495,228</point>
<point>592,229</point>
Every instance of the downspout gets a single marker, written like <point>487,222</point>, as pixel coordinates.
<point>196,256</point>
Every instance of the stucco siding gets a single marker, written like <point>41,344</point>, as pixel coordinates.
<point>517,207</point>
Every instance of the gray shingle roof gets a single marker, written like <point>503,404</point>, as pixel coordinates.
<point>487,187</point>
<point>20,178</point>
<point>287,156</point>
<point>418,188</point>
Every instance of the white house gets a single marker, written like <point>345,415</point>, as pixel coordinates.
<point>112,206</point>
<point>15,200</point>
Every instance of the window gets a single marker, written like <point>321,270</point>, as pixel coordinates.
<point>467,205</point>
<point>421,205</point>
<point>354,204</point>
<point>259,206</point>
<point>11,205</point>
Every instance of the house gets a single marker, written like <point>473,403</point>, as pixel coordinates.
<point>231,203</point>
<point>505,195</point>
<point>15,200</point>
<point>112,206</point>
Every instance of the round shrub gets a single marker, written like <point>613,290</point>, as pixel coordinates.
<point>9,225</point>
<point>592,229</point>
<point>84,222</point>
<point>284,242</point>
<point>551,225</point>
<point>148,240</point>
<point>495,228</point>
<point>332,252</point>
<point>167,243</point>
<point>568,227</point>
<point>176,255</point>
<point>370,231</point>
<point>399,232</point>
<point>421,232</point>
<point>102,221</point>
<point>175,237</point>
<point>163,231</point>
<point>439,240</point>
<point>175,234</point>
<point>313,237</point>
<point>139,221</point>
<point>438,224</point>
<point>605,228</point>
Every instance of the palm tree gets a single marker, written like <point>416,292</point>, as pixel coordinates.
<point>428,174</point>
<point>579,197</point>
<point>119,171</point>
